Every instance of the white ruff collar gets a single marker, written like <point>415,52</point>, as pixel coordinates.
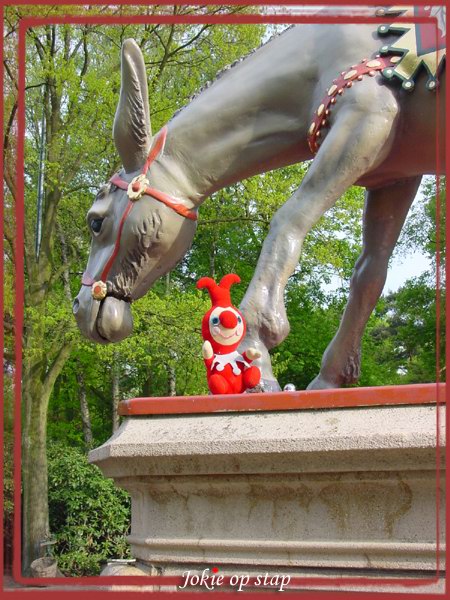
<point>222,360</point>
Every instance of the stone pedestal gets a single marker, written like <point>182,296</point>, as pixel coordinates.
<point>349,490</point>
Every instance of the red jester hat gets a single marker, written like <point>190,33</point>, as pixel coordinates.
<point>223,328</point>
<point>222,315</point>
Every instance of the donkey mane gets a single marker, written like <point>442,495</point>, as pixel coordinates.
<point>225,69</point>
<point>327,10</point>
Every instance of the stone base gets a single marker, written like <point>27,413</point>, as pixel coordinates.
<point>324,492</point>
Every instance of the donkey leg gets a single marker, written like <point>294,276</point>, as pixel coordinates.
<point>356,143</point>
<point>384,214</point>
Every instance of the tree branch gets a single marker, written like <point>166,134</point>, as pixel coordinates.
<point>86,57</point>
<point>166,56</point>
<point>233,220</point>
<point>56,366</point>
<point>10,75</point>
<point>10,180</point>
<point>37,42</point>
<point>36,85</point>
<point>98,393</point>
<point>191,41</point>
<point>9,237</point>
<point>8,128</point>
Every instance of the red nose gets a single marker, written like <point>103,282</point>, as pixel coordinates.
<point>228,319</point>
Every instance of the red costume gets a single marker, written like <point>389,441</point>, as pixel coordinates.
<point>223,329</point>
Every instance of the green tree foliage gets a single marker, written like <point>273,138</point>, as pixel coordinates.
<point>406,325</point>
<point>313,324</point>
<point>406,332</point>
<point>8,466</point>
<point>89,515</point>
<point>414,318</point>
<point>426,226</point>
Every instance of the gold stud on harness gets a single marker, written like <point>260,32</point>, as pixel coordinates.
<point>137,186</point>
<point>99,290</point>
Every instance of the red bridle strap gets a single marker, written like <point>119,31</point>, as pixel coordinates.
<point>161,197</point>
<point>87,279</point>
<point>154,193</point>
<point>155,150</point>
<point>114,253</point>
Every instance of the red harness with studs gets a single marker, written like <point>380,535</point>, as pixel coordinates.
<point>136,188</point>
<point>345,80</point>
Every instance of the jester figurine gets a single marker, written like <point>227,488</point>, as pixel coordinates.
<point>223,328</point>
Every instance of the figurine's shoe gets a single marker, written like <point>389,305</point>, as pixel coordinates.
<point>219,385</point>
<point>251,377</point>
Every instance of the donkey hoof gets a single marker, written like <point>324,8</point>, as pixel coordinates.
<point>270,385</point>
<point>320,383</point>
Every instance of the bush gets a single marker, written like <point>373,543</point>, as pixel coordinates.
<point>8,473</point>
<point>89,515</point>
<point>8,499</point>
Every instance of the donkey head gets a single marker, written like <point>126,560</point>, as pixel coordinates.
<point>134,241</point>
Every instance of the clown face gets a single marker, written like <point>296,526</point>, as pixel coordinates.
<point>226,326</point>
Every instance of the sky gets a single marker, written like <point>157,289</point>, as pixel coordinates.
<point>400,270</point>
<point>403,268</point>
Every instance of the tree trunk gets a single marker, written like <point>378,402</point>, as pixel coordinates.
<point>147,387</point>
<point>167,290</point>
<point>115,395</point>
<point>84,407</point>
<point>34,477</point>
<point>37,384</point>
<point>212,260</point>
<point>171,381</point>
<point>35,523</point>
<point>171,377</point>
<point>85,416</point>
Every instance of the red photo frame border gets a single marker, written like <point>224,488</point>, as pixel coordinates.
<point>167,19</point>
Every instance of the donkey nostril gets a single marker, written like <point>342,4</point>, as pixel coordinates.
<point>75,306</point>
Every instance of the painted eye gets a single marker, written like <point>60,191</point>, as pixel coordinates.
<point>96,225</point>
<point>215,320</point>
<point>239,320</point>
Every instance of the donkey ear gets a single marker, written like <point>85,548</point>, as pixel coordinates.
<point>132,130</point>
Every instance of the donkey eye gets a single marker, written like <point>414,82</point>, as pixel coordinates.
<point>96,225</point>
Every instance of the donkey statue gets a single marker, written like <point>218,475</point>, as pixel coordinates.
<point>315,91</point>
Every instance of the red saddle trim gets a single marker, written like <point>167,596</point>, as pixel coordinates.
<point>345,80</point>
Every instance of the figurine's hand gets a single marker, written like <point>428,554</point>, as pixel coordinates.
<point>207,350</point>
<point>253,353</point>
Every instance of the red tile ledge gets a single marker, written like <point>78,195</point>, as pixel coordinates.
<point>421,393</point>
